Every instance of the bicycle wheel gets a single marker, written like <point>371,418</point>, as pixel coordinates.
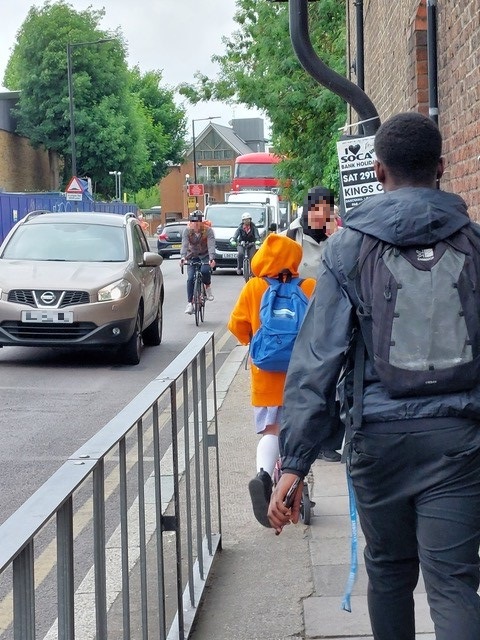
<point>246,268</point>
<point>306,505</point>
<point>203,297</point>
<point>197,298</point>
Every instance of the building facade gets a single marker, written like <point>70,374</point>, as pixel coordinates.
<point>215,150</point>
<point>397,37</point>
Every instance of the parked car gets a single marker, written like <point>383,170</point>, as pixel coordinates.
<point>169,240</point>
<point>80,280</point>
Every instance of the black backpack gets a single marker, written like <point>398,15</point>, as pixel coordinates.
<point>419,312</point>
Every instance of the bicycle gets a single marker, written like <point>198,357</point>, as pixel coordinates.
<point>199,290</point>
<point>247,270</point>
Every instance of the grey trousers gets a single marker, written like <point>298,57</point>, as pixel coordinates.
<point>418,500</point>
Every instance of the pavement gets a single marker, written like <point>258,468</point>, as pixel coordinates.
<point>287,587</point>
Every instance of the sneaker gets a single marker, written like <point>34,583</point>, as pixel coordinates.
<point>260,489</point>
<point>329,455</point>
<point>209,293</point>
<point>189,308</point>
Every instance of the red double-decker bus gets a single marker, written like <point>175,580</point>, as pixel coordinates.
<point>256,172</point>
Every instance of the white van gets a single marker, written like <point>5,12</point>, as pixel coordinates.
<point>226,217</point>
<point>280,209</point>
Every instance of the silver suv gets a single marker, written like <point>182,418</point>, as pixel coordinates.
<point>80,280</point>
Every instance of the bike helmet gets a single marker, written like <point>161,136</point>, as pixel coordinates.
<point>196,216</point>
<point>246,216</point>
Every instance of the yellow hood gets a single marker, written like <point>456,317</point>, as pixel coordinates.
<point>276,254</point>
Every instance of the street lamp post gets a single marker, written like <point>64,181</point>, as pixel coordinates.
<point>118,183</point>
<point>70,46</point>
<point>194,147</point>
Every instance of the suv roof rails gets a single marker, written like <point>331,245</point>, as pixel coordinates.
<point>34,214</point>
<point>130,214</point>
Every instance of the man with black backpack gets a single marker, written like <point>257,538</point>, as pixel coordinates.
<point>396,311</point>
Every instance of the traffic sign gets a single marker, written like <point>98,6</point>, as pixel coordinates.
<point>74,186</point>
<point>74,196</point>
<point>191,203</point>
<point>195,190</point>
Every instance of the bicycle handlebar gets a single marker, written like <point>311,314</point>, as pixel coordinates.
<point>194,262</point>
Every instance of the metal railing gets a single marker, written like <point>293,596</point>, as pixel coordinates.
<point>129,521</point>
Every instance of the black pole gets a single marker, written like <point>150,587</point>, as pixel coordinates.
<point>350,92</point>
<point>432,60</point>
<point>194,154</point>
<point>70,101</point>
<point>360,60</point>
<point>70,46</point>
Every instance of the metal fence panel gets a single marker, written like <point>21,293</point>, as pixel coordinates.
<point>133,517</point>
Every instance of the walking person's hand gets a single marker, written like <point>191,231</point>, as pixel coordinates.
<point>278,513</point>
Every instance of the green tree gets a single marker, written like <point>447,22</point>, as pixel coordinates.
<point>112,132</point>
<point>164,123</point>
<point>148,198</point>
<point>260,69</point>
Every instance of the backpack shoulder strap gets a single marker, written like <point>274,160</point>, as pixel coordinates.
<point>369,246</point>
<point>291,233</point>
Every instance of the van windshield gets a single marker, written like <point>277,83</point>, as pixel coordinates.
<point>231,215</point>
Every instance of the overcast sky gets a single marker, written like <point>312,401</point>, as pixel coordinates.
<point>177,37</point>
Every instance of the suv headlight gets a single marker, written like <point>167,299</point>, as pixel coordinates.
<point>114,291</point>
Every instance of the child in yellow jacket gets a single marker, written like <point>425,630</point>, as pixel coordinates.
<point>277,254</point>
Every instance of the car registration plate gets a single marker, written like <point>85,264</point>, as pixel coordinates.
<point>176,246</point>
<point>229,254</point>
<point>47,316</point>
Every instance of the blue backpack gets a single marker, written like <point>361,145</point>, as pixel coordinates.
<point>282,310</point>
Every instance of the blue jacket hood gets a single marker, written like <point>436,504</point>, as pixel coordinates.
<point>411,216</point>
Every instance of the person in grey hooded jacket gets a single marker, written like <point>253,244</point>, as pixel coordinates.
<point>414,462</point>
<point>314,225</point>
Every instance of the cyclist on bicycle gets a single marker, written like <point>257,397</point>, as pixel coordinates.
<point>198,243</point>
<point>247,232</point>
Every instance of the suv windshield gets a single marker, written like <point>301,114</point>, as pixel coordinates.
<point>231,215</point>
<point>69,242</point>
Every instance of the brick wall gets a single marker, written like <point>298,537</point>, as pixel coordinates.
<point>173,191</point>
<point>23,168</point>
<point>396,77</point>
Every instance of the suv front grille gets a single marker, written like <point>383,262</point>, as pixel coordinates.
<point>26,332</point>
<point>224,246</point>
<point>27,296</point>
<point>75,297</point>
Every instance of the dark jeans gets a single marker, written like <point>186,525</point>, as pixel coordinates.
<point>418,499</point>
<point>206,277</point>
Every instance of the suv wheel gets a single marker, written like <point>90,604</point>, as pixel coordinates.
<point>130,352</point>
<point>152,335</point>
